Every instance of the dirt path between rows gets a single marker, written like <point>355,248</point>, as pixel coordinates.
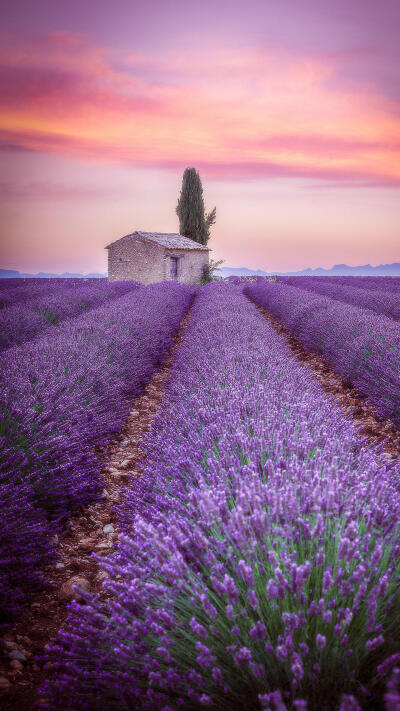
<point>353,403</point>
<point>93,529</point>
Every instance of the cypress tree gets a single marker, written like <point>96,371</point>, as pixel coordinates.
<point>193,220</point>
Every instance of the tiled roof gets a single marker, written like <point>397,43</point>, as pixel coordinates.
<point>171,240</point>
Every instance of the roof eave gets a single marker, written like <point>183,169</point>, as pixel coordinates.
<point>146,237</point>
<point>188,249</point>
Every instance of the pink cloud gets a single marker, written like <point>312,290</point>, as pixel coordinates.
<point>15,190</point>
<point>229,170</point>
<point>237,112</point>
<point>239,171</point>
<point>319,144</point>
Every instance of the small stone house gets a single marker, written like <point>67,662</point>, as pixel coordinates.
<point>149,257</point>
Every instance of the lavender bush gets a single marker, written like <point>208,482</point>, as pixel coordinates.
<point>13,291</point>
<point>377,300</point>
<point>387,284</point>
<point>259,563</point>
<point>7,284</point>
<point>61,396</point>
<point>39,308</point>
<point>363,347</point>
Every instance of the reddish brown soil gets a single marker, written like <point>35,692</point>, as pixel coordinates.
<point>48,613</point>
<point>353,403</point>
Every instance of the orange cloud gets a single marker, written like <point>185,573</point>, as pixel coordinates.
<point>233,111</point>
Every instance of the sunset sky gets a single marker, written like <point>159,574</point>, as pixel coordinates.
<point>289,109</point>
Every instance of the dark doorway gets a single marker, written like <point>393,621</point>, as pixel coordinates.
<point>174,267</point>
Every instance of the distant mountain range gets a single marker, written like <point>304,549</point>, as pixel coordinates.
<point>13,274</point>
<point>337,270</point>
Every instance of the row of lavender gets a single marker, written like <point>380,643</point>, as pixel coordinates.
<point>259,567</point>
<point>378,300</point>
<point>34,309</point>
<point>6,285</point>
<point>380,283</point>
<point>14,291</point>
<point>61,396</point>
<point>360,345</point>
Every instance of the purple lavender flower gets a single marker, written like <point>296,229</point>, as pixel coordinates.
<point>349,703</point>
<point>374,643</point>
<point>392,695</point>
<point>297,666</point>
<point>258,631</point>
<point>242,656</point>
<point>198,629</point>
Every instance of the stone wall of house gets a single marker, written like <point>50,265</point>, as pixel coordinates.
<point>137,260</point>
<point>147,262</point>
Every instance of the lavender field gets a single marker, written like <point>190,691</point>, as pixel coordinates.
<point>258,565</point>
